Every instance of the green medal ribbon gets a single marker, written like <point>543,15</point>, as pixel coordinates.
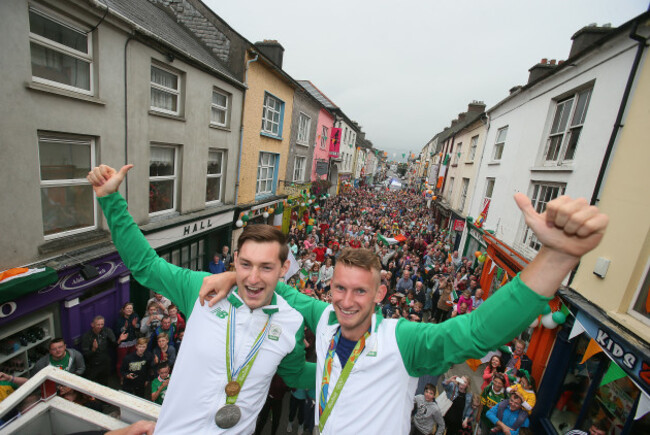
<point>240,373</point>
<point>326,411</point>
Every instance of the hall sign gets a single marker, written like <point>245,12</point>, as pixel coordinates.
<point>190,229</point>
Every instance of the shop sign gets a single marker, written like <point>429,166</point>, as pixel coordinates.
<point>321,167</point>
<point>634,362</point>
<point>172,235</point>
<point>475,234</point>
<point>459,225</point>
<point>335,143</point>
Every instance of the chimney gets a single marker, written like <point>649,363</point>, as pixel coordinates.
<point>461,116</point>
<point>272,49</point>
<point>540,70</point>
<point>454,122</point>
<point>514,89</point>
<point>476,107</point>
<point>585,37</point>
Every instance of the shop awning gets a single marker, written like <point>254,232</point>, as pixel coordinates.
<point>20,281</point>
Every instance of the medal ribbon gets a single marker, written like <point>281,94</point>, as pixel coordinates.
<point>324,405</point>
<point>240,373</point>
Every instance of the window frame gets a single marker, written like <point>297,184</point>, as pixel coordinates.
<point>473,144</point>
<point>225,109</point>
<point>463,192</point>
<point>302,137</point>
<point>273,178</point>
<point>265,110</point>
<point>173,177</point>
<point>451,187</point>
<point>324,138</point>
<point>565,135</point>
<point>220,176</point>
<point>65,50</point>
<point>458,154</point>
<point>489,180</point>
<point>499,146</point>
<point>642,287</point>
<point>301,176</point>
<point>178,93</point>
<point>69,182</point>
<point>529,239</point>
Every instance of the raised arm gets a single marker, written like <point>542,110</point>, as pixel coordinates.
<point>178,284</point>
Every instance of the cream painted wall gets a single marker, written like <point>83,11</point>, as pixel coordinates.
<point>625,199</point>
<point>261,79</point>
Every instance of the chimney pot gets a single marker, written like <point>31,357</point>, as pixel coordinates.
<point>544,61</point>
<point>552,61</point>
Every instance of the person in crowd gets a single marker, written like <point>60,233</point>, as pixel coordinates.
<point>445,302</point>
<point>96,346</point>
<point>466,298</point>
<point>70,360</point>
<point>163,352</point>
<point>505,415</point>
<point>392,308</point>
<point>598,427</point>
<point>459,309</point>
<point>226,257</point>
<point>162,303</point>
<point>72,395</point>
<point>427,413</point>
<point>405,283</point>
<point>491,395</point>
<point>492,368</point>
<point>518,359</point>
<point>526,389</point>
<point>217,265</point>
<point>461,412</point>
<point>9,384</point>
<point>160,383</point>
<point>325,274</point>
<point>176,318</point>
<point>167,328</point>
<point>477,299</point>
<point>151,321</point>
<point>127,322</point>
<point>136,368</point>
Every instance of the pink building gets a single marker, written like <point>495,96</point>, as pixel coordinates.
<point>323,132</point>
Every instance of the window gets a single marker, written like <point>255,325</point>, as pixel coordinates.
<point>499,143</point>
<point>165,91</point>
<point>542,195</point>
<point>219,108</point>
<point>324,138</point>
<point>463,194</point>
<point>563,139</point>
<point>266,174</point>
<point>299,169</point>
<point>489,187</point>
<point>67,199</point>
<point>451,187</point>
<point>61,54</point>
<point>163,173</point>
<point>215,176</point>
<point>640,308</point>
<point>272,114</point>
<point>304,123</point>
<point>457,154</point>
<point>472,148</point>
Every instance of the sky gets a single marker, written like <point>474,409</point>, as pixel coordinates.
<point>405,69</point>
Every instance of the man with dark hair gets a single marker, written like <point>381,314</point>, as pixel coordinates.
<point>599,427</point>
<point>96,347</point>
<point>349,333</point>
<point>60,356</point>
<point>230,351</point>
<point>504,416</point>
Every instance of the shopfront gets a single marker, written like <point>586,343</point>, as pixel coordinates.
<point>474,241</point>
<point>597,371</point>
<point>456,227</point>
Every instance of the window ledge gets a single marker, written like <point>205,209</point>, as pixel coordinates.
<point>166,115</point>
<point>302,144</point>
<point>40,87</point>
<point>551,169</point>
<point>471,162</point>
<point>219,127</point>
<point>269,135</point>
<point>65,243</point>
<point>494,162</point>
<point>453,165</point>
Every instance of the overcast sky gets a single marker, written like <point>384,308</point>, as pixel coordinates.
<point>404,69</point>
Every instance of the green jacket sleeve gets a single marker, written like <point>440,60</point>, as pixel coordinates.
<point>432,348</point>
<point>180,285</point>
<point>294,370</point>
<point>310,308</point>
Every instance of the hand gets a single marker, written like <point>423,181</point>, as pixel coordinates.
<point>216,287</point>
<point>5,377</point>
<point>568,226</point>
<point>134,322</point>
<point>95,345</point>
<point>165,383</point>
<point>465,424</point>
<point>155,360</point>
<point>123,336</point>
<point>106,180</point>
<point>131,376</point>
<point>137,428</point>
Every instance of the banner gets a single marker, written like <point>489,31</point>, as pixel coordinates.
<point>335,143</point>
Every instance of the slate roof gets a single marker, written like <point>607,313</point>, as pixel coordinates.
<point>316,93</point>
<point>155,20</point>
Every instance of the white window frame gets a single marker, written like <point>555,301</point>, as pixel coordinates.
<point>299,169</point>
<point>643,284</point>
<point>489,181</point>
<point>451,188</point>
<point>304,126</point>
<point>557,143</point>
<point>463,193</point>
<point>500,145</point>
<point>270,165</point>
<point>537,189</point>
<point>324,138</point>
<point>473,144</point>
<point>174,92</point>
<point>225,109</point>
<point>173,177</point>
<point>219,176</point>
<point>458,154</point>
<point>268,110</point>
<point>82,141</point>
<point>64,49</point>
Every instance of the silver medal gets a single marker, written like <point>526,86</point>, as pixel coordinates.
<point>227,416</point>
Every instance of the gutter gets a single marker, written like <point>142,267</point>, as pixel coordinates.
<point>604,167</point>
<point>241,126</point>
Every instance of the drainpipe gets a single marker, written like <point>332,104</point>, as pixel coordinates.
<point>595,197</point>
<point>241,127</point>
<point>126,115</point>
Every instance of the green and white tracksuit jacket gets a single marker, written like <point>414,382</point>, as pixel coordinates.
<point>378,395</point>
<point>196,390</point>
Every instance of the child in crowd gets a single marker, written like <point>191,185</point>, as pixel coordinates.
<point>427,413</point>
<point>159,384</point>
